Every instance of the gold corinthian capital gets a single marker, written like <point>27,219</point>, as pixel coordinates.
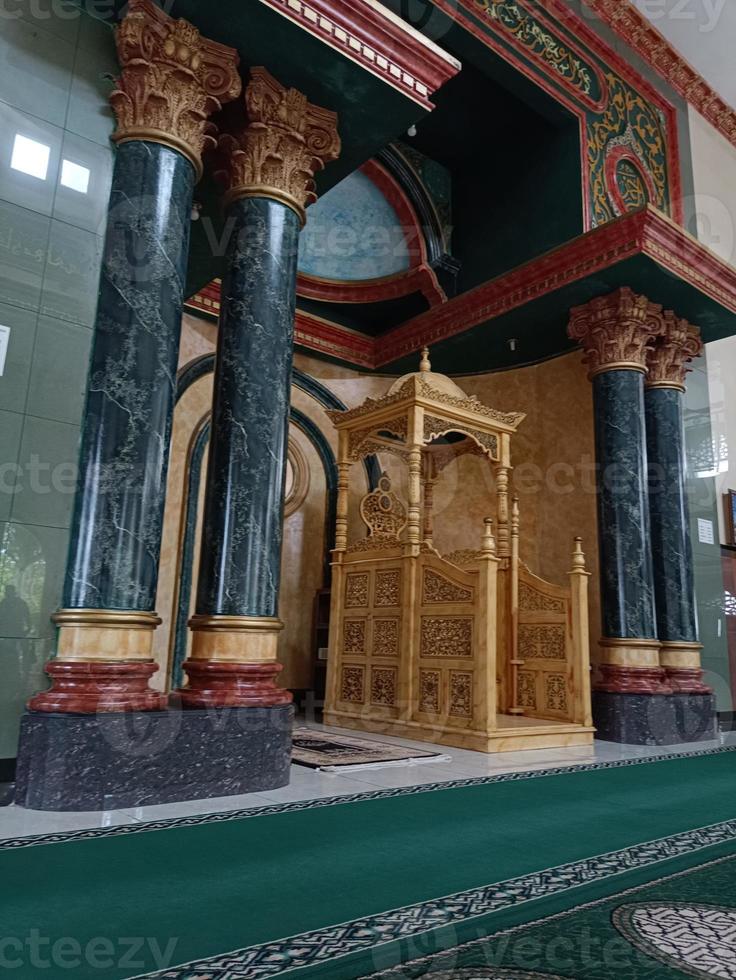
<point>277,152</point>
<point>668,359</point>
<point>172,80</point>
<point>616,331</point>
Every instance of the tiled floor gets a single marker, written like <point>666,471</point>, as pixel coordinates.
<point>307,784</point>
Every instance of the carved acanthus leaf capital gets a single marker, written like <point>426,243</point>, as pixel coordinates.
<point>616,331</point>
<point>285,141</point>
<point>672,352</point>
<point>172,80</point>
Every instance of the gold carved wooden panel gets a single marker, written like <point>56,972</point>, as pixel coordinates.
<point>446,636</point>
<point>429,691</point>
<point>437,588</point>
<point>555,693</point>
<point>356,590</point>
<point>383,685</point>
<point>527,689</point>
<point>530,600</point>
<point>385,638</point>
<point>353,684</point>
<point>353,641</point>
<point>388,588</point>
<point>542,641</point>
<point>461,694</point>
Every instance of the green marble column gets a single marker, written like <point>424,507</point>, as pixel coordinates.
<point>172,79</point>
<point>269,164</point>
<point>671,545</point>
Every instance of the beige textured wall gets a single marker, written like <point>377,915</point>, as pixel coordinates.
<point>553,454</point>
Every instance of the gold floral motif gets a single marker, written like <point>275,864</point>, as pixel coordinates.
<point>429,691</point>
<point>356,590</point>
<point>172,80</point>
<point>527,689</point>
<point>388,588</point>
<point>383,513</point>
<point>555,687</point>
<point>383,685</point>
<point>509,15</point>
<point>437,588</point>
<point>352,689</point>
<point>385,637</point>
<point>629,120</point>
<point>446,637</point>
<point>465,556</point>
<point>285,141</point>
<point>415,387</point>
<point>373,544</point>
<point>530,600</point>
<point>461,694</point>
<point>542,642</point>
<point>434,427</point>
<point>354,637</point>
<point>672,352</point>
<point>616,331</point>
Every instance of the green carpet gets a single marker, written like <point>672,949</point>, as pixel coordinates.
<point>681,925</point>
<point>229,884</point>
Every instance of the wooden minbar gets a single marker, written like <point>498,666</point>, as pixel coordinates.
<point>469,649</point>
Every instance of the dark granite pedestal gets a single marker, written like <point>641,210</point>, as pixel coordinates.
<point>140,758</point>
<point>654,719</point>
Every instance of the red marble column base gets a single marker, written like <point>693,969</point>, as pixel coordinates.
<point>632,680</point>
<point>687,680</point>
<point>81,687</point>
<point>221,684</point>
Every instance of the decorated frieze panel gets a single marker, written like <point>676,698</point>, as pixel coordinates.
<point>437,588</point>
<point>353,640</point>
<point>434,427</point>
<point>429,691</point>
<point>630,146</point>
<point>450,636</point>
<point>530,600</point>
<point>385,638</point>
<point>542,642</point>
<point>461,694</point>
<point>352,687</point>
<point>387,588</point>
<point>555,693</point>
<point>383,685</point>
<point>356,590</point>
<point>528,689</point>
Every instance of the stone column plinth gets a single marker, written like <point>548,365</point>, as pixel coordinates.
<point>172,79</point>
<point>268,166</point>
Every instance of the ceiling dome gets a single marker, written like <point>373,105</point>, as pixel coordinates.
<point>440,382</point>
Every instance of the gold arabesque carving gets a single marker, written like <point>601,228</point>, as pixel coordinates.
<point>172,80</point>
<point>284,142</point>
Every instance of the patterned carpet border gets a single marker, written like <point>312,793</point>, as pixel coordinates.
<point>435,959</point>
<point>225,816</point>
<point>322,945</point>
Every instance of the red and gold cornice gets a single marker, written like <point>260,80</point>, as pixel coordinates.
<point>646,233</point>
<point>649,43</point>
<point>370,35</point>
<point>172,80</point>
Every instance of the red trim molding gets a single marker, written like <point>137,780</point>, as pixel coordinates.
<point>377,40</point>
<point>646,232</point>
<point>651,45</point>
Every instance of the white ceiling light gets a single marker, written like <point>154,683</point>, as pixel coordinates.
<point>30,157</point>
<point>74,176</point>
